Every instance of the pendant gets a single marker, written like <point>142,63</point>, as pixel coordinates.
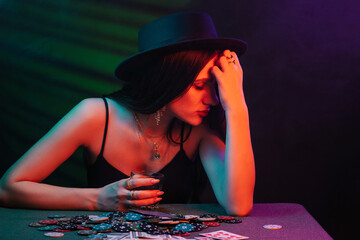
<point>156,154</point>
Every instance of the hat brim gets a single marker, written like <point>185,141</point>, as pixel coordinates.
<point>133,62</point>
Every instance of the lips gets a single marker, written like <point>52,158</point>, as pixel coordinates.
<point>203,113</point>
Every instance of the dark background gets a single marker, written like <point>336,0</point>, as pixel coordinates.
<point>301,80</point>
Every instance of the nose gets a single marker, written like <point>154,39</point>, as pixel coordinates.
<point>211,97</point>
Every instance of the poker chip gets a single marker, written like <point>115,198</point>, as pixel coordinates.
<point>170,222</point>
<point>225,217</point>
<point>86,225</point>
<point>186,227</point>
<point>185,234</point>
<point>102,227</point>
<point>207,219</point>
<point>146,227</point>
<point>48,222</point>
<point>135,226</point>
<point>208,215</point>
<point>63,219</point>
<point>54,234</point>
<point>36,224</point>
<point>175,232</point>
<point>86,232</point>
<point>79,219</point>
<point>121,227</point>
<point>191,217</point>
<point>272,227</point>
<point>234,221</point>
<point>67,226</point>
<point>82,227</point>
<point>56,216</point>
<point>133,216</point>
<point>212,224</point>
<point>47,228</point>
<point>60,230</point>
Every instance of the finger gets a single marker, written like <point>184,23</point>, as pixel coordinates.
<point>216,72</point>
<point>143,194</point>
<point>223,63</point>
<point>126,183</point>
<point>227,53</point>
<point>140,182</point>
<point>143,202</point>
<point>237,62</point>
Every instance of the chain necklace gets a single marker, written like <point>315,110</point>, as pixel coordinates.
<point>155,144</point>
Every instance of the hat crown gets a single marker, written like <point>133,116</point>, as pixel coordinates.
<point>175,28</point>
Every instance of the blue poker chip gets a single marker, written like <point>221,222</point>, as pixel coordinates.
<point>133,216</point>
<point>102,227</point>
<point>47,228</point>
<point>56,216</point>
<point>186,227</point>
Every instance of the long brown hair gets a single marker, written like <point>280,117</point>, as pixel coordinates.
<point>163,78</point>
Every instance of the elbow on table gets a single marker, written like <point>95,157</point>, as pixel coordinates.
<point>241,210</point>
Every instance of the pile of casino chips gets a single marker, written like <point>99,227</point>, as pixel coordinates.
<point>121,222</point>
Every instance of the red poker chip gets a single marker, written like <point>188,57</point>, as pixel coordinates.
<point>48,222</point>
<point>186,234</point>
<point>79,227</point>
<point>211,224</point>
<point>225,217</point>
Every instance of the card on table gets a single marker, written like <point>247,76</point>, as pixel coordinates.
<point>223,235</point>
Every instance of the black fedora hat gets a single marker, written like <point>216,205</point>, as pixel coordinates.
<point>177,32</point>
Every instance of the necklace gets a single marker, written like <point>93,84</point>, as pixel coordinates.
<point>155,144</point>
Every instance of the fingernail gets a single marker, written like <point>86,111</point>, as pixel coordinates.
<point>158,199</point>
<point>155,181</point>
<point>160,193</point>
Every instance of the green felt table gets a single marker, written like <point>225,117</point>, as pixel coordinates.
<point>296,222</point>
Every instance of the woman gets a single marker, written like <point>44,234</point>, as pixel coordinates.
<point>160,121</point>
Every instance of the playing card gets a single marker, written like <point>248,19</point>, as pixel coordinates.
<point>223,235</point>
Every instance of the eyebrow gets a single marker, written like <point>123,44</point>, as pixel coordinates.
<point>205,80</point>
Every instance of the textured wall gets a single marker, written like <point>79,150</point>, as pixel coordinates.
<point>301,76</point>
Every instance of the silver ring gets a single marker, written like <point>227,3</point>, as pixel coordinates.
<point>127,184</point>
<point>132,194</point>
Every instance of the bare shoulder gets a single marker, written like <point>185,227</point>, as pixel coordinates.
<point>94,109</point>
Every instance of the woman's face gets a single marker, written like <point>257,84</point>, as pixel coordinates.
<point>195,104</point>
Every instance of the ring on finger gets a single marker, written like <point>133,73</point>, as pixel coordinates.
<point>127,184</point>
<point>230,57</point>
<point>132,194</point>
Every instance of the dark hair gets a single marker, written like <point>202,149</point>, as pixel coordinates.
<point>161,79</point>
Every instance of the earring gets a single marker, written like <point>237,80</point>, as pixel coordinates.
<point>159,113</point>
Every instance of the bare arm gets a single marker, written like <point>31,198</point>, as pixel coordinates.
<point>231,168</point>
<point>21,185</point>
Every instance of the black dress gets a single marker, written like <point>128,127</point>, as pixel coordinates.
<point>185,180</point>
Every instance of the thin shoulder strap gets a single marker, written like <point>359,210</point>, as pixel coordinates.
<point>182,135</point>
<point>106,126</point>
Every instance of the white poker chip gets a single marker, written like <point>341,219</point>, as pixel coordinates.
<point>272,227</point>
<point>54,234</point>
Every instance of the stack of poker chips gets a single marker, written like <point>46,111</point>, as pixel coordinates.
<point>121,222</point>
